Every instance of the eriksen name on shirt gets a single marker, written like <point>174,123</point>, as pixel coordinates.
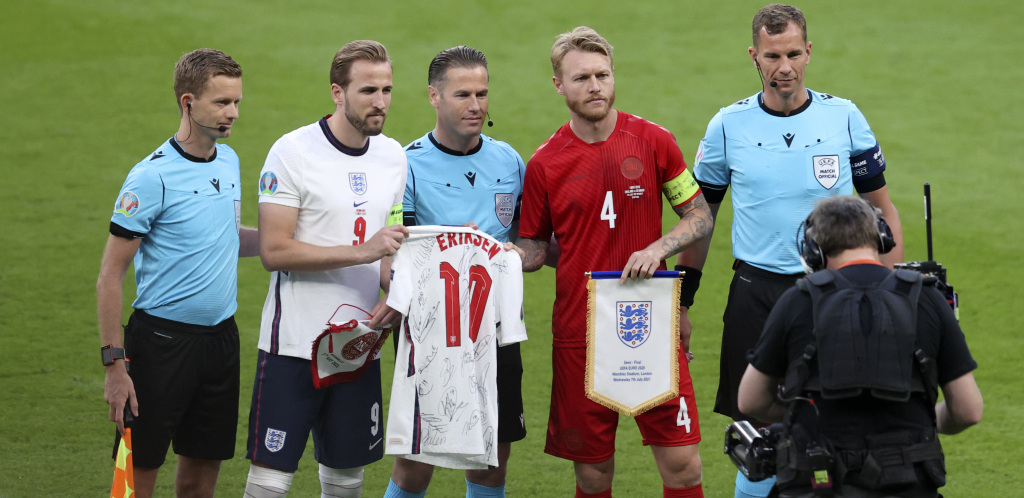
<point>449,240</point>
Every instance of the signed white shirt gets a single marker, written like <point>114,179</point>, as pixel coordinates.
<point>461,295</point>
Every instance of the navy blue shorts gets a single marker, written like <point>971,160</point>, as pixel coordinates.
<point>347,418</point>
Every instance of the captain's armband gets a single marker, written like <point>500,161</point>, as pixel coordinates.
<point>395,215</point>
<point>681,189</point>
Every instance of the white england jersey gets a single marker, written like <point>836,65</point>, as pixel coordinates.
<point>344,196</point>
<point>462,295</point>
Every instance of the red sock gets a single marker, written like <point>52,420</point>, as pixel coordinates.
<point>603,494</point>
<point>691,492</point>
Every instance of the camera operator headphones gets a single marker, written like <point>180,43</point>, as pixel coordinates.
<point>813,259</point>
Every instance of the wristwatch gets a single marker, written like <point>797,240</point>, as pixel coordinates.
<point>110,354</point>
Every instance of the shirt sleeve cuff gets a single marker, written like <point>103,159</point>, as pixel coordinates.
<point>283,201</point>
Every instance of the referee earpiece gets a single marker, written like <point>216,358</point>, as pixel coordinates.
<point>761,74</point>
<point>221,128</point>
<point>489,122</point>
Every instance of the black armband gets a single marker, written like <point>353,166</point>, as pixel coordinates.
<point>691,282</point>
<point>870,184</point>
<point>713,194</point>
<point>120,231</point>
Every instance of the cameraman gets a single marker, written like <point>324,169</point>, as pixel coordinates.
<point>876,441</point>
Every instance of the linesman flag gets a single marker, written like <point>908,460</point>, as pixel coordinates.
<point>632,341</point>
<point>124,472</point>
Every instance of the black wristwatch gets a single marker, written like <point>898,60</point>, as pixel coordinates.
<point>111,354</point>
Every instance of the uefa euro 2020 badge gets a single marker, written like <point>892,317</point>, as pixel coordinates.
<point>358,182</point>
<point>268,183</point>
<point>274,440</point>
<point>634,325</point>
<point>127,204</point>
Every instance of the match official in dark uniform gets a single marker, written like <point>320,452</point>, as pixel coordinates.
<point>178,217</point>
<point>860,351</point>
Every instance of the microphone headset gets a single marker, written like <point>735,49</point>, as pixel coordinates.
<point>489,122</point>
<point>761,75</point>
<point>813,259</point>
<point>220,128</point>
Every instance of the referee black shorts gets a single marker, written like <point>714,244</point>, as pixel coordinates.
<point>511,422</point>
<point>752,295</point>
<point>186,382</point>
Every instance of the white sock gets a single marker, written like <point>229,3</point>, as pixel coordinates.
<point>341,483</point>
<point>267,483</point>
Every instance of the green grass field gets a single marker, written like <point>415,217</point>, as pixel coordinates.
<point>87,93</point>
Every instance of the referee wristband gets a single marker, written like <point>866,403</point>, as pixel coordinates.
<point>691,282</point>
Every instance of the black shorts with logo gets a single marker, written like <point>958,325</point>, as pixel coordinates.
<point>752,295</point>
<point>186,382</point>
<point>511,424</point>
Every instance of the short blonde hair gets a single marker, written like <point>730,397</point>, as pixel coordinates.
<point>359,50</point>
<point>196,68</point>
<point>582,39</point>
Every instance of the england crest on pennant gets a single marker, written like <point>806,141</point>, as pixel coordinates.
<point>274,440</point>
<point>634,325</point>
<point>358,182</point>
<point>504,208</point>
<point>826,170</point>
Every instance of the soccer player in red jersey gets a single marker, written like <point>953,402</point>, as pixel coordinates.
<point>595,186</point>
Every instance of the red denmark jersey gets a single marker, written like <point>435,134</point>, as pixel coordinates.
<point>602,201</point>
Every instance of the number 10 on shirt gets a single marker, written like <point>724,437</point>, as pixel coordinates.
<point>480,288</point>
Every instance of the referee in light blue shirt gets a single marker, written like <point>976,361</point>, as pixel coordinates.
<point>781,150</point>
<point>459,176</point>
<point>177,217</point>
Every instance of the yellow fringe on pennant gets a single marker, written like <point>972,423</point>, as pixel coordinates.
<point>591,342</point>
<point>605,401</point>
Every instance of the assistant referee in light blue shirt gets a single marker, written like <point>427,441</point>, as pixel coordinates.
<point>782,150</point>
<point>459,176</point>
<point>177,217</point>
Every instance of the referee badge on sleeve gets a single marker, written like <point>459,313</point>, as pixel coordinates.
<point>826,170</point>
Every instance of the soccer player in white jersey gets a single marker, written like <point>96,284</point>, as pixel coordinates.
<point>330,218</point>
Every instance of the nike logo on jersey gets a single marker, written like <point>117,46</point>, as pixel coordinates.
<point>471,176</point>
<point>788,138</point>
<point>357,204</point>
<point>414,146</point>
<point>216,184</point>
<point>157,155</point>
<point>375,444</point>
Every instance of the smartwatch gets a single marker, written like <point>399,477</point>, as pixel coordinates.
<point>111,354</point>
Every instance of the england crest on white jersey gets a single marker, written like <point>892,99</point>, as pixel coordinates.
<point>357,181</point>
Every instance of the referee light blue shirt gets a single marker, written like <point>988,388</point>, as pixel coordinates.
<point>447,187</point>
<point>187,211</point>
<point>780,166</point>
